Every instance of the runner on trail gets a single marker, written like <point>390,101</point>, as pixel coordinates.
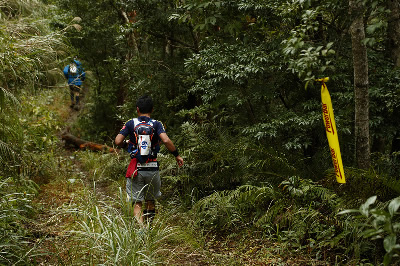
<point>74,74</point>
<point>143,178</point>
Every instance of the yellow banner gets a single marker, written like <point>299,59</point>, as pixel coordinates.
<point>331,132</point>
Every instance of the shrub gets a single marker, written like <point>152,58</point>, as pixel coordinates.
<point>379,223</point>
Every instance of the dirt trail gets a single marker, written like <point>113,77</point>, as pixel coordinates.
<point>51,225</point>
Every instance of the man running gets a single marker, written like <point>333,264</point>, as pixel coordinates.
<point>74,74</point>
<point>143,178</point>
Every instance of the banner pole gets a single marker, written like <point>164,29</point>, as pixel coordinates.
<point>331,132</point>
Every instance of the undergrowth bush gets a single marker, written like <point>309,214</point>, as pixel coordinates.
<point>300,214</point>
<point>29,49</point>
<point>27,142</point>
<point>379,224</point>
<point>109,234</point>
<point>361,184</point>
<point>104,167</point>
<point>228,210</point>
<point>231,183</point>
<point>218,160</point>
<point>25,135</point>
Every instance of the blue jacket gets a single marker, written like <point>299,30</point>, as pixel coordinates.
<point>75,79</point>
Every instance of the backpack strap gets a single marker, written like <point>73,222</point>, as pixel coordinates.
<point>137,122</point>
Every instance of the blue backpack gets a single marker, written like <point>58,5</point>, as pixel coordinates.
<point>73,69</point>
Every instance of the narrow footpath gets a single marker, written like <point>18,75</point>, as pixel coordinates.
<point>72,187</point>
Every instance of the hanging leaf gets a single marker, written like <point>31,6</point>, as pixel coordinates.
<point>364,208</point>
<point>394,206</point>
<point>389,243</point>
<point>77,27</point>
<point>76,19</point>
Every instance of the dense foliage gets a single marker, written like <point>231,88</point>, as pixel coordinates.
<point>234,84</point>
<point>29,52</point>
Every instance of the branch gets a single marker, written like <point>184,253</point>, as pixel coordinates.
<point>83,144</point>
<point>158,35</point>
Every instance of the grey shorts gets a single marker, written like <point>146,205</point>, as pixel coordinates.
<point>145,186</point>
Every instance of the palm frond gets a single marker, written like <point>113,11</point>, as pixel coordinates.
<point>6,152</point>
<point>5,95</point>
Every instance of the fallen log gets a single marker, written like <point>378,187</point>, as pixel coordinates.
<point>83,144</point>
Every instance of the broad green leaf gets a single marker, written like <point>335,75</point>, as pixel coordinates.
<point>389,243</point>
<point>394,206</point>
<point>387,259</point>
<point>372,232</point>
<point>364,208</point>
<point>380,214</point>
<point>348,211</point>
<point>396,227</point>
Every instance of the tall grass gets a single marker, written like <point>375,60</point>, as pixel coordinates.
<point>104,167</point>
<point>15,208</point>
<point>106,232</point>
<point>110,235</point>
<point>27,139</point>
<point>29,49</point>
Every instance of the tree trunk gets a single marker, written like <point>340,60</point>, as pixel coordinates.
<point>131,38</point>
<point>360,64</point>
<point>393,32</point>
<point>393,52</point>
<point>247,103</point>
<point>83,144</point>
<point>133,51</point>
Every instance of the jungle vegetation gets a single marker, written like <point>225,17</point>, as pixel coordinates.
<point>234,84</point>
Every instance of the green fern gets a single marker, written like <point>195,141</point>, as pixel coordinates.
<point>370,181</point>
<point>225,210</point>
<point>277,214</point>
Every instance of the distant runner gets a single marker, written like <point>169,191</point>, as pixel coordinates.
<point>74,74</point>
<point>143,178</point>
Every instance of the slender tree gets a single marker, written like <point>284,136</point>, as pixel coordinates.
<point>360,64</point>
<point>393,41</point>
<point>393,52</point>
